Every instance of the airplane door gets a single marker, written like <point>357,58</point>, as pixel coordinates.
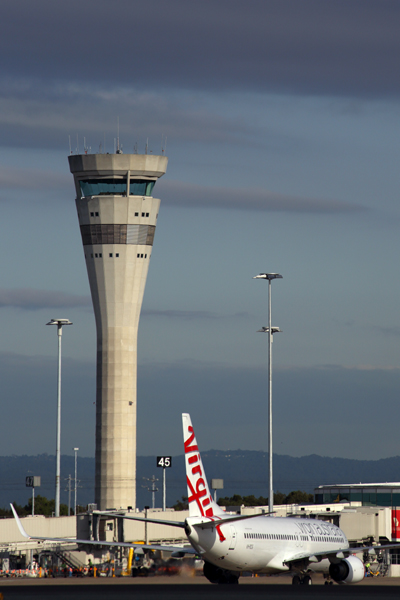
<point>233,538</point>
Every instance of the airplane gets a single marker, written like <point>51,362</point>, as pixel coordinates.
<point>262,544</point>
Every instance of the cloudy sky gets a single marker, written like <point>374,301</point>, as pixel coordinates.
<point>282,128</point>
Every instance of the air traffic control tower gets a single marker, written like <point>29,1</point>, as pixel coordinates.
<point>117,217</point>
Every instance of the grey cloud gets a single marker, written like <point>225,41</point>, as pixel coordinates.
<point>33,179</point>
<point>389,331</point>
<point>188,195</point>
<point>30,299</point>
<point>286,46</point>
<point>44,115</point>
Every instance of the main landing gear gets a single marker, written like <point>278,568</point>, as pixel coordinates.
<point>304,580</point>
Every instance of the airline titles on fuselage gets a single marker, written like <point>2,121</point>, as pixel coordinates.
<point>307,532</point>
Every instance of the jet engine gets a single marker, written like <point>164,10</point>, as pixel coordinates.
<point>348,570</point>
<point>217,575</point>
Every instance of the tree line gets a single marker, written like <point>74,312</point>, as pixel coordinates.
<point>43,506</point>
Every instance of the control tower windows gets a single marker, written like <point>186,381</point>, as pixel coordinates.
<point>140,187</point>
<point>103,187</point>
<point>115,187</point>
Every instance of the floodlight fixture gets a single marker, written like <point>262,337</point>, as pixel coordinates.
<point>268,276</point>
<point>266,330</point>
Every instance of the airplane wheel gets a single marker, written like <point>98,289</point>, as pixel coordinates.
<point>307,580</point>
<point>296,580</point>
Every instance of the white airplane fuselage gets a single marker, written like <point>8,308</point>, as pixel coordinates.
<point>264,543</point>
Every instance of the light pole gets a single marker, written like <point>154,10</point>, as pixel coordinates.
<point>59,323</point>
<point>76,477</point>
<point>270,330</point>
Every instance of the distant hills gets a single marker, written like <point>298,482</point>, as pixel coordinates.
<point>244,472</point>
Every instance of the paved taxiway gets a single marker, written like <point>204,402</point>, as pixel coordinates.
<point>175,588</point>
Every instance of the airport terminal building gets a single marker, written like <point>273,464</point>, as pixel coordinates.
<point>364,494</point>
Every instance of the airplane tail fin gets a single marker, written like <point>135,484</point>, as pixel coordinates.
<point>201,503</point>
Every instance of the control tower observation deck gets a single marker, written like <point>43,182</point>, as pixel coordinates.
<point>117,216</point>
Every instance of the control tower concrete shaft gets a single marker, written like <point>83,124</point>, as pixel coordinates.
<point>117,217</point>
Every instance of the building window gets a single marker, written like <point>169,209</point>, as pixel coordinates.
<point>147,214</point>
<point>92,214</point>
<point>91,255</point>
<point>96,256</point>
<point>143,214</point>
<point>96,214</point>
<point>100,256</point>
<point>136,214</point>
<point>141,256</point>
<point>110,254</point>
<point>145,255</point>
<point>117,255</point>
<point>138,256</point>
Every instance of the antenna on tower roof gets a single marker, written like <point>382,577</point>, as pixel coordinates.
<point>70,149</point>
<point>119,148</point>
<point>163,145</point>
<point>147,146</point>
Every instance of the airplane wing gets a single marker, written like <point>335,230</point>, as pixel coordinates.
<point>211,522</point>
<point>144,520</point>
<point>339,554</point>
<point>177,550</point>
